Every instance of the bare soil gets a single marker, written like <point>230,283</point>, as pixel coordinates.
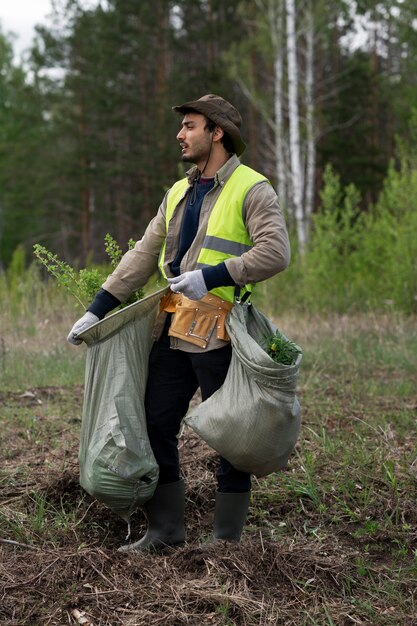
<point>294,566</point>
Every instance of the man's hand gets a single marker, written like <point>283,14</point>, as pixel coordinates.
<point>191,284</point>
<point>79,327</point>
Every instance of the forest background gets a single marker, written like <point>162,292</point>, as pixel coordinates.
<point>328,94</point>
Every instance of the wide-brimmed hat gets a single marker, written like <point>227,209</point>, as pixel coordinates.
<point>222,113</point>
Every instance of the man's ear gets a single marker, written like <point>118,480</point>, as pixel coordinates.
<point>218,133</point>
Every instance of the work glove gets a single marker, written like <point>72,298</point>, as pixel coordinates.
<point>79,327</point>
<point>191,284</point>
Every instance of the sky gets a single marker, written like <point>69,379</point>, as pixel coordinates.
<point>20,17</point>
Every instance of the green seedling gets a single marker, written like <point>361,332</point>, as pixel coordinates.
<point>85,283</point>
<point>281,350</point>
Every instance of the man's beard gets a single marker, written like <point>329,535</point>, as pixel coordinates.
<point>200,154</point>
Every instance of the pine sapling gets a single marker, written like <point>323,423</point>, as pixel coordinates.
<point>280,349</point>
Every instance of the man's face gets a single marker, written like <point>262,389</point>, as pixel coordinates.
<point>195,140</point>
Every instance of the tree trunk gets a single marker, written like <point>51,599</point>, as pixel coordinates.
<point>277,41</point>
<point>310,132</point>
<point>295,155</point>
<point>85,190</point>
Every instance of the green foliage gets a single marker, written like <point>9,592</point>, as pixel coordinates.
<point>388,255</point>
<point>336,235</point>
<point>280,349</point>
<point>114,251</point>
<point>82,284</point>
<point>64,274</point>
<point>356,147</point>
<point>25,181</point>
<point>17,268</point>
<point>357,260</point>
<point>81,138</point>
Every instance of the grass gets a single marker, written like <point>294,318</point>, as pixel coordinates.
<point>330,540</point>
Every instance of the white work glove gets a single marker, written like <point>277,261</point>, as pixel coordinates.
<point>79,327</point>
<point>191,284</point>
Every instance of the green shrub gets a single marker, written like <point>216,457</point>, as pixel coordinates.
<point>388,257</point>
<point>336,234</point>
<point>82,284</point>
<point>355,260</point>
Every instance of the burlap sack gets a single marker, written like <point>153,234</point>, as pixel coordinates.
<point>253,420</point>
<point>117,465</point>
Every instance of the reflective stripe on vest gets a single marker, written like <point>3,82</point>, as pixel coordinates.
<point>226,235</point>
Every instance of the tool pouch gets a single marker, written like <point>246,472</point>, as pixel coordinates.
<point>195,321</point>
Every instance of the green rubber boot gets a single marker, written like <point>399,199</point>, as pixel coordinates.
<point>165,515</point>
<point>230,512</point>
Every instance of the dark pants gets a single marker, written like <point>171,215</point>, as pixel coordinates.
<point>174,376</point>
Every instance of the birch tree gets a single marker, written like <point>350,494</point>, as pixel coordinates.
<point>297,181</point>
<point>291,112</point>
<point>310,117</point>
<point>275,18</point>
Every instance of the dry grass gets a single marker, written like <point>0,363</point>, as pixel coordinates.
<point>331,540</point>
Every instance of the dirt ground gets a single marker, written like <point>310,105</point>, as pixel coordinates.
<point>60,565</point>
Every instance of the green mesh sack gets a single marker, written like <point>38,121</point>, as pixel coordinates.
<point>253,420</point>
<point>117,465</point>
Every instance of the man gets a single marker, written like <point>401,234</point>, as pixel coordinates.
<point>217,233</point>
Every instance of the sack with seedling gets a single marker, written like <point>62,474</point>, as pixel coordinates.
<point>253,420</point>
<point>117,465</point>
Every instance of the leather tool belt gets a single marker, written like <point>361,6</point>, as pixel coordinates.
<point>195,321</point>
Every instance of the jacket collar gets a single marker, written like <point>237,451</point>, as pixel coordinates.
<point>221,175</point>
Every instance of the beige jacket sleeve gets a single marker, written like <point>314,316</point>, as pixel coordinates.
<point>264,220</point>
<point>139,264</point>
<point>266,226</point>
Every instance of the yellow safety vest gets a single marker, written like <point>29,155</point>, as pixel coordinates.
<point>226,236</point>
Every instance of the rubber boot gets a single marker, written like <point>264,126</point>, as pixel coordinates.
<point>165,515</point>
<point>230,512</point>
